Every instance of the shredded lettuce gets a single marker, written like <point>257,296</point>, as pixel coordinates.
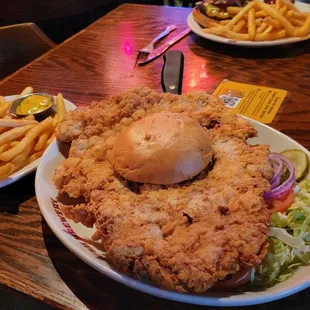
<point>278,219</point>
<point>289,240</point>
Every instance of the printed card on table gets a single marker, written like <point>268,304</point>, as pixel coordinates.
<point>257,102</point>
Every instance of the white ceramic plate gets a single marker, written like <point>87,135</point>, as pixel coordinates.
<point>196,28</point>
<point>31,167</point>
<point>74,235</point>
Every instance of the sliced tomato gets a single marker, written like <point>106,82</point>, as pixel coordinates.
<point>281,205</point>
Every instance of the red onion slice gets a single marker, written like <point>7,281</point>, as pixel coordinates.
<point>275,183</point>
<point>277,165</point>
<point>281,190</point>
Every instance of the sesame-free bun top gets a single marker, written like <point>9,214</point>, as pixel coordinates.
<point>162,148</point>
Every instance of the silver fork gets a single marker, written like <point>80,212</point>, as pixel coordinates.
<point>143,52</point>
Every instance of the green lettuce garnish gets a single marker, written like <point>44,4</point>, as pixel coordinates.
<point>289,241</point>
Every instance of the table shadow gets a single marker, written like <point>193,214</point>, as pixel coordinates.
<point>282,51</point>
<point>97,291</point>
<point>11,196</point>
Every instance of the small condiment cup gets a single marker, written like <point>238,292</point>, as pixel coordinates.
<point>38,115</point>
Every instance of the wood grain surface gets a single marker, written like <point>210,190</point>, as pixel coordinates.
<point>98,62</point>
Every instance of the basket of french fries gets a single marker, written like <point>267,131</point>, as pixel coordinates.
<point>252,21</point>
<point>24,139</point>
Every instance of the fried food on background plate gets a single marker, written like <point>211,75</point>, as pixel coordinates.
<point>22,138</point>
<point>253,21</point>
<point>184,236</point>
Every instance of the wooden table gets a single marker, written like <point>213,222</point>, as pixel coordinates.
<point>98,62</point>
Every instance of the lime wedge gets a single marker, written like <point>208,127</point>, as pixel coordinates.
<point>300,160</point>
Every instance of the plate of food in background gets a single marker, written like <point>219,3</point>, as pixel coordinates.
<point>27,128</point>
<point>252,24</point>
<point>180,198</point>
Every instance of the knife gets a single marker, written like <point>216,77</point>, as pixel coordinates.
<point>172,72</point>
<point>158,51</point>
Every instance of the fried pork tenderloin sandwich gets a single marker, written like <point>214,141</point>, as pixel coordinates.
<point>171,186</point>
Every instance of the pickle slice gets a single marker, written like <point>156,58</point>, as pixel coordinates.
<point>300,160</point>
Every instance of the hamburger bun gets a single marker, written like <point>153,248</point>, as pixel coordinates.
<point>162,148</point>
<point>202,19</point>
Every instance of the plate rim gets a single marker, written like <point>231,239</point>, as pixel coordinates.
<point>32,166</point>
<point>89,258</point>
<point>196,28</point>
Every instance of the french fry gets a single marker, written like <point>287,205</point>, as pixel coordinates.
<point>272,22</point>
<point>33,157</point>
<point>268,30</point>
<point>4,129</point>
<point>14,134</point>
<point>290,29</point>
<point>233,10</point>
<point>5,170</point>
<point>239,26</point>
<point>239,16</point>
<point>51,139</point>
<point>262,27</point>
<point>283,10</point>
<point>258,22</point>
<point>251,24</point>
<point>4,108</point>
<point>278,5</point>
<point>270,36</point>
<point>304,29</point>
<point>295,22</point>
<point>56,119</point>
<point>260,13</point>
<point>28,90</point>
<point>225,32</point>
<point>30,136</point>
<point>14,143</point>
<point>16,122</point>
<point>2,100</point>
<point>29,117</point>
<point>42,140</point>
<point>4,147</point>
<point>19,161</point>
<point>60,105</point>
<point>289,5</point>
<point>297,15</point>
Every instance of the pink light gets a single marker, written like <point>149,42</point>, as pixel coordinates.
<point>128,48</point>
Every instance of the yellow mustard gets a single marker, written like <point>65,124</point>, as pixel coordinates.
<point>33,104</point>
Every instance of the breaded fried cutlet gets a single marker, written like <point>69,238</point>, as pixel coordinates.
<point>185,236</point>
